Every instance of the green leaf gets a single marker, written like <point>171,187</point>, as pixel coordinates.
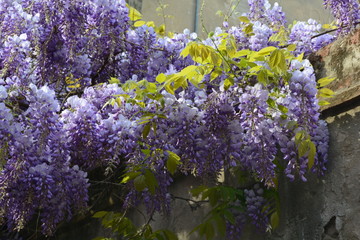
<point>172,162</point>
<point>170,235</point>
<point>244,19</point>
<point>134,14</point>
<point>129,176</point>
<point>323,103</point>
<point>161,78</point>
<point>311,154</point>
<point>303,148</point>
<point>146,130</point>
<point>151,87</point>
<point>274,220</point>
<point>326,93</point>
<point>229,216</point>
<point>299,136</point>
<point>151,181</point>
<point>114,80</point>
<point>100,214</point>
<point>277,61</point>
<point>140,183</point>
<point>271,103</point>
<point>325,81</point>
<point>198,190</point>
<point>139,23</point>
<point>266,51</point>
<point>291,47</point>
<point>209,231</point>
<point>242,53</point>
<point>188,70</point>
<point>248,29</point>
<point>283,109</point>
<point>221,224</point>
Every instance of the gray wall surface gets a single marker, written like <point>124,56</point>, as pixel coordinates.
<point>183,12</point>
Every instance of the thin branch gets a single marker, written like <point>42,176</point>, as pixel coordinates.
<point>105,182</point>
<point>332,30</point>
<point>189,200</point>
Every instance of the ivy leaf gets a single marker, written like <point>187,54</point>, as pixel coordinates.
<point>172,162</point>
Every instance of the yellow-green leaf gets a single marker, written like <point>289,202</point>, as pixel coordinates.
<point>323,103</point>
<point>172,162</point>
<point>134,14</point>
<point>140,183</point>
<point>100,214</point>
<point>114,80</point>
<point>274,220</point>
<point>311,154</point>
<point>151,181</point>
<point>244,19</point>
<point>326,93</point>
<point>139,23</point>
<point>277,61</point>
<point>291,47</point>
<point>266,51</point>
<point>146,130</point>
<point>161,78</point>
<point>325,81</point>
<point>248,29</point>
<point>242,53</point>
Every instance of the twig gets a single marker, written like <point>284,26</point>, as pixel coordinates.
<point>105,182</point>
<point>332,30</point>
<point>190,200</point>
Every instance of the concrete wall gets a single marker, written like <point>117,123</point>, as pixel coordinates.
<point>183,12</point>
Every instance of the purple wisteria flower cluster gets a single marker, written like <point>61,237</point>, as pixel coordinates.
<point>346,13</point>
<point>60,118</point>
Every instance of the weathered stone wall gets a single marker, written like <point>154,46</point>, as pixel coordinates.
<point>328,208</point>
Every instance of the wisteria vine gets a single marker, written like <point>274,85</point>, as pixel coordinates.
<point>83,88</point>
